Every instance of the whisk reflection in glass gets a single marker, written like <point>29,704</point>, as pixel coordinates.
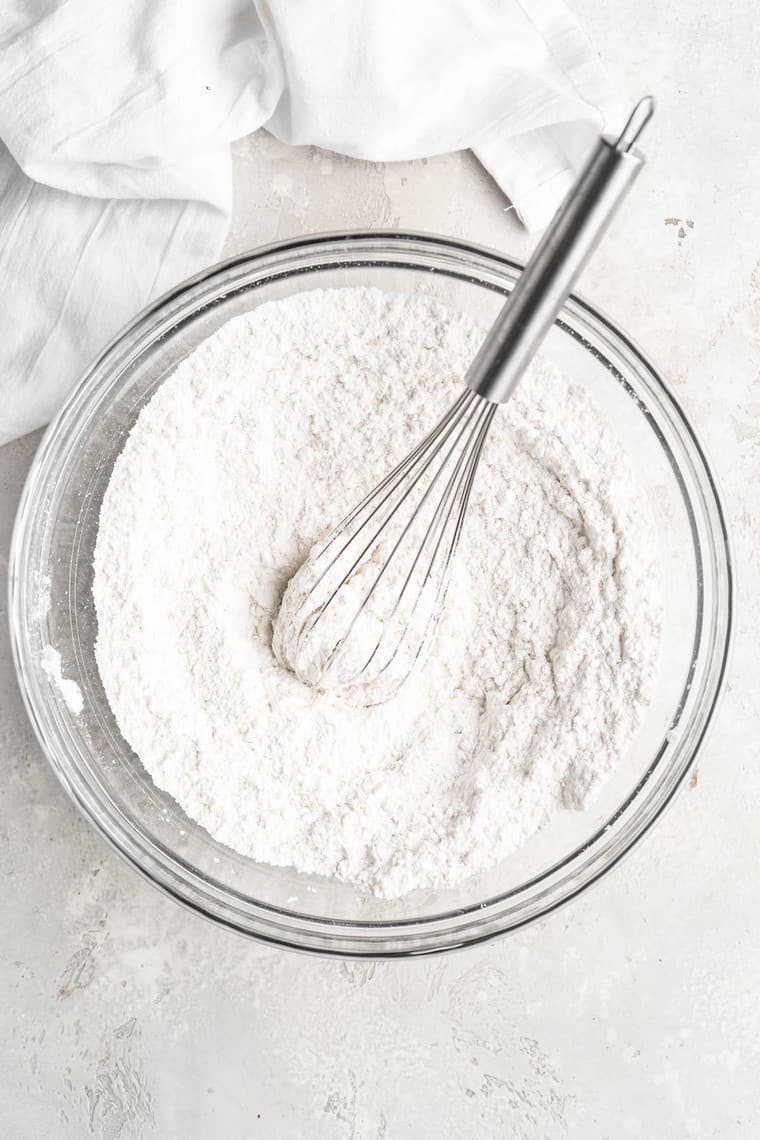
<point>364,606</point>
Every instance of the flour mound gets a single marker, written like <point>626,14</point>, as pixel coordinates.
<point>545,656</point>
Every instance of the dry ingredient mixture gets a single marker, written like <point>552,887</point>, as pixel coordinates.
<point>68,690</point>
<point>545,658</point>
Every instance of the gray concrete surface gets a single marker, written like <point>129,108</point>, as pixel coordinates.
<point>633,1013</point>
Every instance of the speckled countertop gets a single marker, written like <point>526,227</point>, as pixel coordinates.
<point>634,1012</point>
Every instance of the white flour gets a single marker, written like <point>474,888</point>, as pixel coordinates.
<point>69,690</point>
<point>258,443</point>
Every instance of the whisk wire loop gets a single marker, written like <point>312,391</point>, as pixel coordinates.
<point>448,502</point>
<point>408,526</point>
<point>477,410</point>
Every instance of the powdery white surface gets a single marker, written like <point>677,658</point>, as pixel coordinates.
<point>258,442</point>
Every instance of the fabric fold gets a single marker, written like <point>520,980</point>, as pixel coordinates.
<point>116,122</point>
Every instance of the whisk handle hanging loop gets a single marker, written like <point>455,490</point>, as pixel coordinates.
<point>549,277</point>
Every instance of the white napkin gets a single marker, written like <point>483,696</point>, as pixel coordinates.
<point>116,119</point>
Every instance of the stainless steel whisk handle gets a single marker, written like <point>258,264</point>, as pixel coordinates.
<point>549,277</point>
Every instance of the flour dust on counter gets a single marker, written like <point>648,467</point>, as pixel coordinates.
<point>545,655</point>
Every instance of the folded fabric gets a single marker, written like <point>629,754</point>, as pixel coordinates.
<point>116,121</point>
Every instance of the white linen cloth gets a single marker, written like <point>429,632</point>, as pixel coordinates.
<point>116,119</point>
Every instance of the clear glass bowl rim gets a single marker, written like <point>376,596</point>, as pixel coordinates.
<point>580,867</point>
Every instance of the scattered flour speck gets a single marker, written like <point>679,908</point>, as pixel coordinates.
<point>69,690</point>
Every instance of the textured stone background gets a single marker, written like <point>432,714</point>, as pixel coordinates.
<point>635,1012</point>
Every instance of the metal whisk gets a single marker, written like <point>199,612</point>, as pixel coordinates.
<point>365,605</point>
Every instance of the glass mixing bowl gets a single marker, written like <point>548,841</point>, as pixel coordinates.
<point>51,604</point>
